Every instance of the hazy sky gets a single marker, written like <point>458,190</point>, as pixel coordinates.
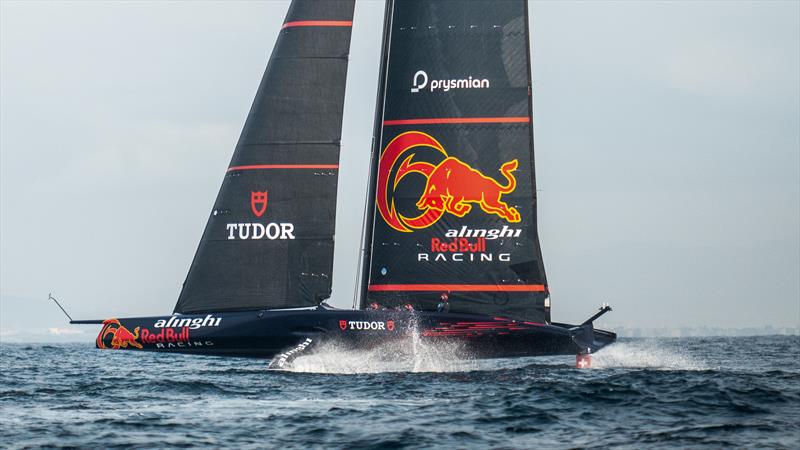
<point>667,143</point>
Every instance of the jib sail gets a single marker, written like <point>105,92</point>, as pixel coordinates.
<point>454,192</point>
<point>269,239</point>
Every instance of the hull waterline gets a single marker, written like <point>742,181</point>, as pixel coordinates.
<point>267,333</point>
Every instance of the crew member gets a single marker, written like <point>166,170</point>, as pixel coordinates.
<point>444,304</point>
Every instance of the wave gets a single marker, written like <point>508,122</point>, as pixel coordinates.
<point>650,354</point>
<point>415,355</point>
<point>410,354</point>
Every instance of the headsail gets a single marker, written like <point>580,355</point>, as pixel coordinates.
<point>269,240</point>
<point>455,197</point>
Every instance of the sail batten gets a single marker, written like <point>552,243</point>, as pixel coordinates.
<point>318,23</point>
<point>454,212</point>
<point>456,120</point>
<point>284,166</point>
<point>268,243</point>
<point>458,287</point>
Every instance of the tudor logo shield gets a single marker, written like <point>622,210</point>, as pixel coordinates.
<point>258,202</point>
<point>343,324</point>
<point>390,325</point>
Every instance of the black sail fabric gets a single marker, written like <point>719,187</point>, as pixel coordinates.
<point>455,194</point>
<point>269,239</point>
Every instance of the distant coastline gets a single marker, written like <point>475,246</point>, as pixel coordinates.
<point>769,330</point>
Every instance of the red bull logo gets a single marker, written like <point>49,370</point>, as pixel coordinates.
<point>452,186</point>
<point>121,337</point>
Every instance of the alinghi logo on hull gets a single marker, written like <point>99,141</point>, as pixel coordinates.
<point>192,323</point>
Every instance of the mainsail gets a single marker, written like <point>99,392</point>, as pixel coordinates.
<point>454,196</point>
<point>268,242</point>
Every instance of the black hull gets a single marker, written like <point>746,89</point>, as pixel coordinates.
<point>264,334</point>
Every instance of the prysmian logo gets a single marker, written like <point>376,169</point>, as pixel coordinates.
<point>420,82</point>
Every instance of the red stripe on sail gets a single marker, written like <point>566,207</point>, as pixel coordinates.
<point>318,23</point>
<point>457,120</point>
<point>284,166</point>
<point>459,287</point>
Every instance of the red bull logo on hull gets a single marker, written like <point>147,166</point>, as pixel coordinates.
<point>452,186</point>
<point>121,337</point>
<point>168,335</point>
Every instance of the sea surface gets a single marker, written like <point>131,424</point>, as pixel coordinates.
<point>640,393</point>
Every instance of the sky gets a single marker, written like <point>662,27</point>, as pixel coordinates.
<point>667,141</point>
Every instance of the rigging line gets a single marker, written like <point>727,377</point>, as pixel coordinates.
<point>365,263</point>
<point>362,250</point>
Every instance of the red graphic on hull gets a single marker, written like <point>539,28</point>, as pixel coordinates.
<point>121,337</point>
<point>475,329</point>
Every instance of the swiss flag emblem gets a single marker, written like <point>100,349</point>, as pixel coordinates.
<point>258,202</point>
<point>343,324</point>
<point>390,325</point>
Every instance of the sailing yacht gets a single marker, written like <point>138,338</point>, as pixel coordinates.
<point>450,245</point>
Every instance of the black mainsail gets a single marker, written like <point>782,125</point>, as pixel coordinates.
<point>454,209</point>
<point>268,242</point>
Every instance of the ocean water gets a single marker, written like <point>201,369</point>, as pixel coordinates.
<point>640,393</point>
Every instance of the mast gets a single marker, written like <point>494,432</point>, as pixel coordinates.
<point>268,242</point>
<point>545,303</point>
<point>375,150</point>
<point>453,186</point>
